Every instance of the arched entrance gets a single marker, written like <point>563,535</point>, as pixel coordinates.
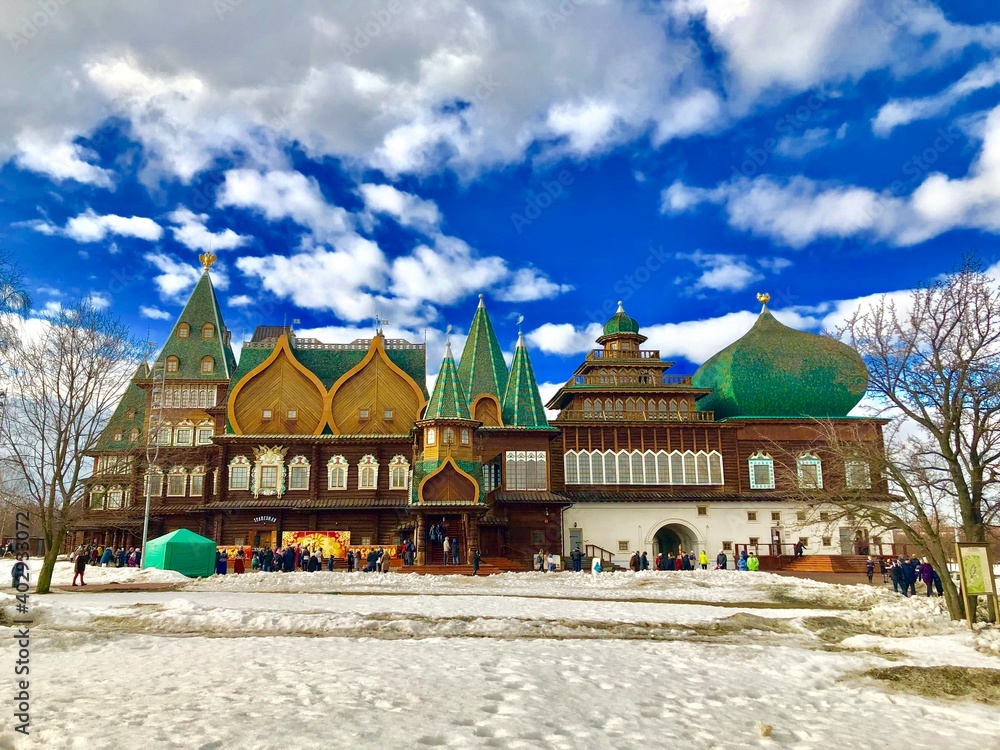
<point>673,537</point>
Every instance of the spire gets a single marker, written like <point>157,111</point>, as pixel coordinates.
<point>448,399</point>
<point>763,298</point>
<point>522,405</point>
<point>200,332</point>
<point>482,369</point>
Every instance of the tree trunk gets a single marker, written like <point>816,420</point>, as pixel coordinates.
<point>49,563</point>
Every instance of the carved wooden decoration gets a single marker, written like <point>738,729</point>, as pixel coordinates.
<point>449,484</point>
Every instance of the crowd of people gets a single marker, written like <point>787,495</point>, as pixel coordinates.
<point>904,573</point>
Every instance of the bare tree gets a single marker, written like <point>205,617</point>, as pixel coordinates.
<point>64,378</point>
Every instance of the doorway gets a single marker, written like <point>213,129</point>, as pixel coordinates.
<point>674,537</point>
<point>575,539</point>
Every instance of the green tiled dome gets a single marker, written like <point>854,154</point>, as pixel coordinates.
<point>776,371</point>
<point>621,323</point>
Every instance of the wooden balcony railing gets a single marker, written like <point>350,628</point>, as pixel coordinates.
<point>608,354</point>
<point>571,415</point>
<point>632,380</point>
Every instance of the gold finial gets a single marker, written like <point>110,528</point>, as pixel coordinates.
<point>207,259</point>
<point>763,297</point>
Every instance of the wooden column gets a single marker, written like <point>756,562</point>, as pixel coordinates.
<point>420,534</point>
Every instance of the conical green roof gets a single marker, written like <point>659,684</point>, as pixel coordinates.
<point>129,415</point>
<point>448,400</point>
<point>482,369</point>
<point>620,322</point>
<point>522,404</point>
<point>777,371</point>
<point>202,307</point>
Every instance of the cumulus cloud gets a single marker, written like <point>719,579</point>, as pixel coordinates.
<point>407,209</point>
<point>92,227</point>
<point>60,159</point>
<point>176,278</point>
<point>190,231</point>
<point>154,313</point>
<point>240,300</point>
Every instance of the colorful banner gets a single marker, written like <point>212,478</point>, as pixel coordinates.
<point>333,543</point>
<point>231,550</point>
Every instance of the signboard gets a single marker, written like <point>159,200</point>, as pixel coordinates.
<point>333,543</point>
<point>976,573</point>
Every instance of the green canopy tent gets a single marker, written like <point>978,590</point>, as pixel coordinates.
<point>183,551</point>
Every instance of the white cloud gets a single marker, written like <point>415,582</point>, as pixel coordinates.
<point>407,209</point>
<point>722,272</point>
<point>154,313</point>
<point>564,338</point>
<point>91,227</point>
<point>444,273</point>
<point>192,233</point>
<point>240,300</point>
<point>530,284</point>
<point>898,112</point>
<point>176,278</point>
<point>797,146</point>
<point>60,159</point>
<point>98,300</point>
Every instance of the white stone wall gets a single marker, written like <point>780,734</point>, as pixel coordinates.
<point>605,524</point>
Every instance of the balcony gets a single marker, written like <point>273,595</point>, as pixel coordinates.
<point>627,379</point>
<point>579,415</point>
<point>610,354</point>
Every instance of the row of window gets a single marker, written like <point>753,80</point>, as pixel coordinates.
<point>207,331</point>
<point>809,469</point>
<point>173,364</point>
<point>635,467</point>
<point>650,406</point>
<point>265,476</point>
<point>112,498</point>
<point>184,396</point>
<point>448,436</point>
<point>527,470</point>
<point>185,433</point>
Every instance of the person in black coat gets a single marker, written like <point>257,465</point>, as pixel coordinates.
<point>476,558</point>
<point>721,560</point>
<point>577,557</point>
<point>289,559</point>
<point>19,571</point>
<point>643,561</point>
<point>79,568</point>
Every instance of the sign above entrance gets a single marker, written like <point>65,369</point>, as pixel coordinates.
<point>265,519</point>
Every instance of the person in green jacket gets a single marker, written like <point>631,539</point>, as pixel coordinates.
<point>703,560</point>
<point>754,562</point>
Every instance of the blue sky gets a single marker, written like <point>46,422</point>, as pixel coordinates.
<point>400,158</point>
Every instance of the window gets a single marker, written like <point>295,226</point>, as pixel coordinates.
<point>130,414</point>
<point>97,497</point>
<point>198,482</point>
<point>827,541</point>
<point>336,472</point>
<point>154,483</point>
<point>205,435</point>
<point>183,436</point>
<point>751,516</point>
<point>208,331</point>
<point>634,467</point>
<point>133,434</point>
<point>465,437</point>
<point>399,472</point>
<point>858,475</point>
<point>298,473</point>
<point>761,471</point>
<point>239,473</point>
<point>727,546</point>
<point>702,510</point>
<point>173,364</point>
<point>754,541</point>
<point>448,436</point>
<point>176,482</point>
<point>824,516</point>
<point>387,415</point>
<point>776,516</point>
<point>431,436</point>
<point>183,331</point>
<point>623,545</point>
<point>526,470</point>
<point>491,475</point>
<point>800,515</point>
<point>118,436</point>
<point>266,415</point>
<point>115,496</point>
<point>363,414</point>
<point>268,478</point>
<point>810,471</point>
<point>163,435</point>
<point>368,473</point>
<point>293,414</point>
<point>208,364</point>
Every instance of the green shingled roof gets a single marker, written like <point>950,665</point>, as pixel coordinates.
<point>482,369</point>
<point>621,323</point>
<point>202,307</point>
<point>448,400</point>
<point>522,405</point>
<point>777,371</point>
<point>133,402</point>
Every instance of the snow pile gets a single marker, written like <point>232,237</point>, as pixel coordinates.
<point>62,575</point>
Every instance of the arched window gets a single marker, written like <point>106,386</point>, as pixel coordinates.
<point>336,473</point>
<point>588,406</point>
<point>208,364</point>
<point>702,464</point>
<point>569,466</point>
<point>585,477</point>
<point>431,436</point>
<point>466,437</point>
<point>298,473</point>
<point>630,404</point>
<point>761,471</point>
<point>172,364</point>
<point>683,407</point>
<point>619,406</point>
<point>133,434</point>
<point>607,405</point>
<point>597,407</point>
<point>673,405</point>
<point>208,331</point>
<point>448,436</point>
<point>663,406</point>
<point>399,473</point>
<point>183,330</point>
<point>596,468</point>
<point>368,473</point>
<point>715,468</point>
<point>624,468</point>
<point>690,468</point>
<point>810,470</point>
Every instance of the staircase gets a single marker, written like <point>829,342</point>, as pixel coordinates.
<point>828,564</point>
<point>434,551</point>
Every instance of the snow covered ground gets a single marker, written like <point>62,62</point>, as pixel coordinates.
<point>533,660</point>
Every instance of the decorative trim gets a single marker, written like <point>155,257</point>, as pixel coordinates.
<point>438,470</point>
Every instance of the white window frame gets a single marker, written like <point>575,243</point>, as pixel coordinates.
<point>761,459</point>
<point>368,468</point>
<point>431,436</point>
<point>205,435</point>
<point>239,462</point>
<point>809,459</point>
<point>97,497</point>
<point>336,463</point>
<point>850,477</point>
<point>184,435</point>
<point>399,467</point>
<point>297,465</point>
<point>197,481</point>
<point>115,498</point>
<point>177,471</point>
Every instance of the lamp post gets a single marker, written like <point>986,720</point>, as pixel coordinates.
<point>152,443</point>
